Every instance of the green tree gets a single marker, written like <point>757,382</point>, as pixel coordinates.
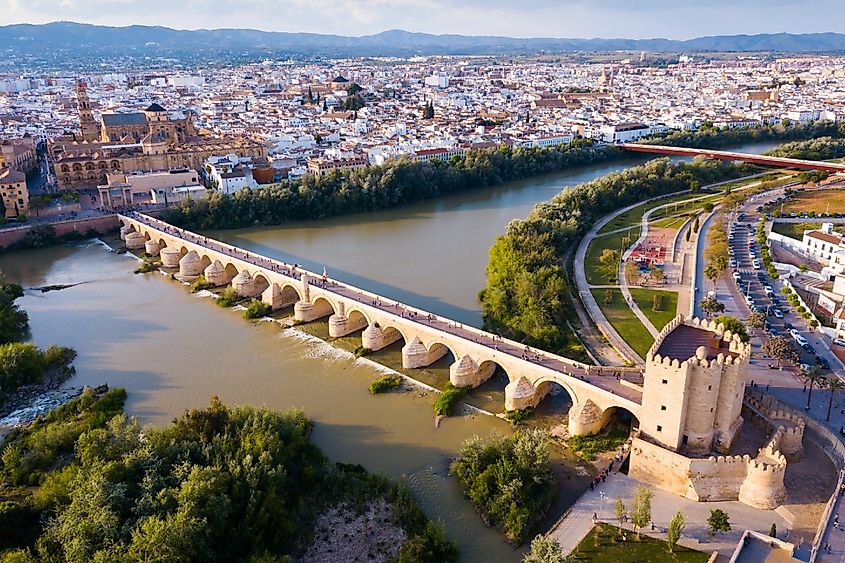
<point>676,528</point>
<point>734,325</point>
<point>756,320</point>
<point>641,508</point>
<point>609,259</point>
<point>813,377</point>
<point>711,306</point>
<point>779,348</point>
<point>544,549</point>
<point>718,521</point>
<point>619,508</point>
<point>834,385</point>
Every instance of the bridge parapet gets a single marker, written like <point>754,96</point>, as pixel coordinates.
<point>427,337</point>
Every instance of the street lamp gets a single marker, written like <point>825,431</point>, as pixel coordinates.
<point>602,496</point>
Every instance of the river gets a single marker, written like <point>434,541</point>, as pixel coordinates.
<point>173,350</point>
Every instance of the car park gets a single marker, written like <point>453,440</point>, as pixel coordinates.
<point>749,300</point>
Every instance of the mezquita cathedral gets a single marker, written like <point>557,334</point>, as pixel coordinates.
<point>154,139</point>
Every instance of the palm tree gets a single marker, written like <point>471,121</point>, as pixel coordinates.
<point>833,385</point>
<point>813,377</point>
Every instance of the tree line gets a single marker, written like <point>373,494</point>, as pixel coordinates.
<point>372,188</point>
<point>218,484</point>
<point>712,137</point>
<point>526,297</point>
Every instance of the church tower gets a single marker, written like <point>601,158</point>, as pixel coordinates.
<point>88,127</point>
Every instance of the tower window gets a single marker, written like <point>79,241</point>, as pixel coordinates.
<point>664,382</point>
<point>709,387</point>
<point>663,407</point>
<point>659,428</point>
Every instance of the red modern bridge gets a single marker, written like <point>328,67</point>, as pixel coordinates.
<point>743,157</point>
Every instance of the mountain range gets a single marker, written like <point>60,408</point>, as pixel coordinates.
<point>54,38</point>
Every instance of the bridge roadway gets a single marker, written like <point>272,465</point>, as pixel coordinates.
<point>595,392</point>
<point>743,157</point>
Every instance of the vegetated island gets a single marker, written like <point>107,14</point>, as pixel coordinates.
<point>86,483</point>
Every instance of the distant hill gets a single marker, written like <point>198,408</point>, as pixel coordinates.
<point>58,39</point>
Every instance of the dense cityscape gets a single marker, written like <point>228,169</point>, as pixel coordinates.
<point>479,302</point>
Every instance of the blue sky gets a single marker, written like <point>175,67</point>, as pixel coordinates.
<point>674,19</point>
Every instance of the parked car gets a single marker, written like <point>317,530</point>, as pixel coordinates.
<point>839,341</point>
<point>809,348</point>
<point>773,331</point>
<point>804,367</point>
<point>776,312</point>
<point>755,264</point>
<point>822,361</point>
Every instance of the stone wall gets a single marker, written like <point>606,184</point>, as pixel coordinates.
<point>101,224</point>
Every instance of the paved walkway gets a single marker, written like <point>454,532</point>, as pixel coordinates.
<point>593,375</point>
<point>583,287</point>
<point>602,501</point>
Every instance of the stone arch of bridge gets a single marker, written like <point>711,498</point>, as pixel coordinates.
<point>435,347</point>
<point>544,386</point>
<point>231,270</point>
<point>324,306</point>
<point>355,314</point>
<point>391,330</point>
<point>261,282</point>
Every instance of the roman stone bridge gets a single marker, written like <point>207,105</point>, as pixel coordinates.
<point>596,393</point>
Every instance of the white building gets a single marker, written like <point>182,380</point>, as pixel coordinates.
<point>544,141</point>
<point>230,173</point>
<point>437,81</point>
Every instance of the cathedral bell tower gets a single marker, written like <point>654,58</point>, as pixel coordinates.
<point>88,127</point>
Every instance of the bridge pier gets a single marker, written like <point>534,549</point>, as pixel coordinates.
<point>521,394</point>
<point>151,247</point>
<point>125,230</point>
<point>586,417</point>
<point>216,274</point>
<point>190,267</point>
<point>341,325</point>
<point>170,257</point>
<point>134,240</point>
<point>416,355</point>
<point>245,285</point>
<point>374,338</point>
<point>275,297</point>
<point>465,372</point>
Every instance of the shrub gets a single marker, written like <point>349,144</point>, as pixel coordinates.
<point>385,383</point>
<point>509,481</point>
<point>257,309</point>
<point>228,298</point>
<point>361,351</point>
<point>588,445</point>
<point>517,416</point>
<point>447,400</point>
<point>145,268</point>
<point>200,284</point>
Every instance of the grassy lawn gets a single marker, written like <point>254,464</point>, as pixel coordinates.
<point>817,201</point>
<point>596,273</point>
<point>604,543</point>
<point>634,217</point>
<point>685,206</point>
<point>624,321</point>
<point>645,300</point>
<point>794,230</point>
<point>670,222</point>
